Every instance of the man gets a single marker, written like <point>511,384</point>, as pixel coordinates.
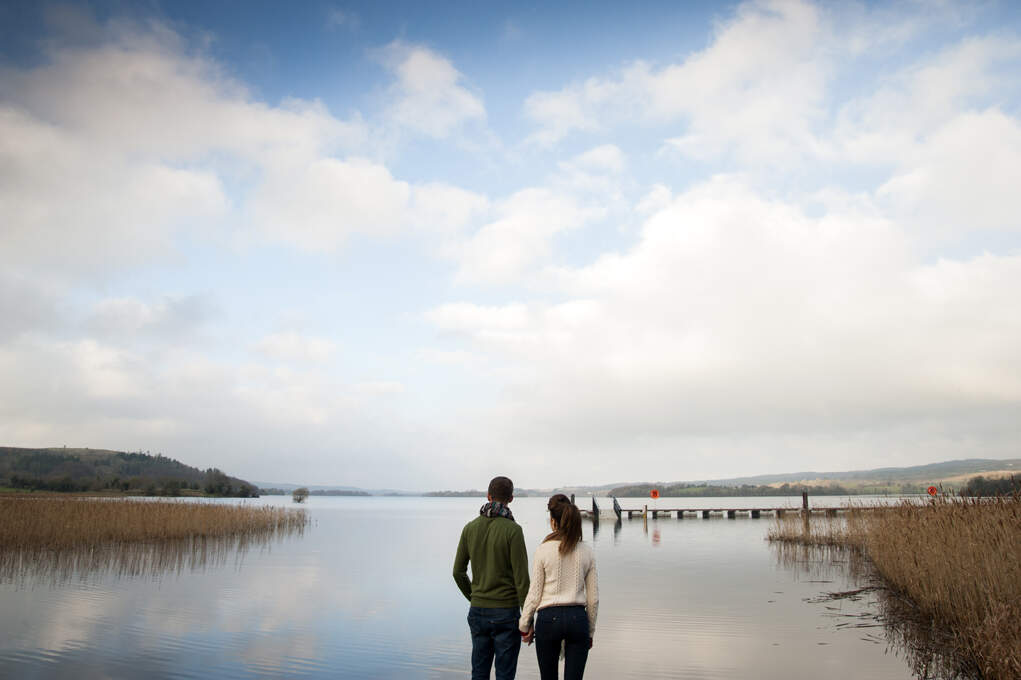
<point>495,545</point>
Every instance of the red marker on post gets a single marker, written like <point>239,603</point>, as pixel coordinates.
<point>932,490</point>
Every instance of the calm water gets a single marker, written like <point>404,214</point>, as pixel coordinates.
<point>367,593</point>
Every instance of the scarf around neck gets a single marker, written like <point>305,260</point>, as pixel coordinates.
<point>496,509</point>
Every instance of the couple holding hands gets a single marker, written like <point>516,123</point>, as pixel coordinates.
<point>558,605</point>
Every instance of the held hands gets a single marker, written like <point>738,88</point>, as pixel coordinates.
<point>529,637</point>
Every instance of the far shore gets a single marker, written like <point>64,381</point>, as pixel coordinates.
<point>107,493</point>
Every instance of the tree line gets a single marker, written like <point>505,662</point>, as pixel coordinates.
<point>785,489</point>
<point>981,486</point>
<point>84,470</point>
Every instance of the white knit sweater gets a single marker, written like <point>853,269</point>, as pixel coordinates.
<point>562,580</point>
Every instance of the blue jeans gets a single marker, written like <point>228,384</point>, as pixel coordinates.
<point>556,625</point>
<point>494,634</point>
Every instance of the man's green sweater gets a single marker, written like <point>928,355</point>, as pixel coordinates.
<point>495,546</point>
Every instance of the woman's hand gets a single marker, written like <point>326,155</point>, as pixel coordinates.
<point>530,635</point>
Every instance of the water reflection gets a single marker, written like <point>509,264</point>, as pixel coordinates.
<point>368,594</point>
<point>618,525</point>
<point>881,616</point>
<point>28,568</point>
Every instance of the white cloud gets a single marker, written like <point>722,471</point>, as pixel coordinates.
<point>138,139</point>
<point>429,95</point>
<point>463,317</point>
<point>761,91</point>
<point>621,305</point>
<point>561,112</point>
<point>736,318</point>
<point>446,209</point>
<point>379,388</point>
<point>318,205</point>
<point>606,158</point>
<point>27,306</point>
<point>291,346</point>
<point>964,177</point>
<point>520,237</point>
<point>115,148</point>
<point>757,89</point>
<point>893,122</point>
<point>127,320</point>
<point>250,419</point>
<point>69,205</point>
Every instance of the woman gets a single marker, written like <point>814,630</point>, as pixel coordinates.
<point>565,592</point>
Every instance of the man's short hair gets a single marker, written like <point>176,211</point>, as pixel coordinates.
<point>501,489</point>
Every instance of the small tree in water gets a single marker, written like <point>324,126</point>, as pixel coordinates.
<point>299,495</point>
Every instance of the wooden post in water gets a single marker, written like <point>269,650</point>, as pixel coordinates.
<point>805,512</point>
<point>645,518</point>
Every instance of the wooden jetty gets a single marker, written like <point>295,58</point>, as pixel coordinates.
<point>705,513</point>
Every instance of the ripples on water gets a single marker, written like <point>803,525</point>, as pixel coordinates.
<point>367,593</point>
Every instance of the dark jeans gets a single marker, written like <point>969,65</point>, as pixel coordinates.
<point>554,625</point>
<point>494,633</point>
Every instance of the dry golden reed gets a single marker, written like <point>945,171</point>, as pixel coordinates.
<point>957,561</point>
<point>52,538</point>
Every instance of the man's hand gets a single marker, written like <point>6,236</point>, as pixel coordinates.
<point>530,635</point>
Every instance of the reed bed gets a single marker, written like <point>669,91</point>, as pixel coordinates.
<point>55,539</point>
<point>954,563</point>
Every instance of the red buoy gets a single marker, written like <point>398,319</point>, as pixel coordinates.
<point>932,490</point>
<point>654,493</point>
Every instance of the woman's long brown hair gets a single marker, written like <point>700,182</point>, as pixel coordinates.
<point>568,520</point>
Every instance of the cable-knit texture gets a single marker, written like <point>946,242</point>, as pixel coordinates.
<point>562,580</point>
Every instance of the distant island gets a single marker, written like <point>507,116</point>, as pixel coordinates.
<point>472,493</point>
<point>105,472</point>
<point>273,491</point>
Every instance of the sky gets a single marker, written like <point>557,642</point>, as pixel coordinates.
<point>416,245</point>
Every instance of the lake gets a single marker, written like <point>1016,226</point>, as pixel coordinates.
<point>367,592</point>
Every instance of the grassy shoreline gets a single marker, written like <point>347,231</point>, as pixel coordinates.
<point>957,562</point>
<point>56,537</point>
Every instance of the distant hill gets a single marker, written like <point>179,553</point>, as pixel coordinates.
<point>933,472</point>
<point>951,474</point>
<point>64,469</point>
